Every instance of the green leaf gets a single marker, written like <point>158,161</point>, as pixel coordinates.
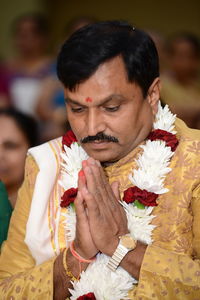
<point>139,204</point>
<point>72,205</point>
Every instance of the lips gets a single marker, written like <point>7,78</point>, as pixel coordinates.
<point>98,144</point>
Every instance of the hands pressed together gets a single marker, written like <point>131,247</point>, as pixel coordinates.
<point>100,217</point>
<point>100,220</point>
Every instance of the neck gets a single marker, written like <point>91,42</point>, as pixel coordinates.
<point>108,163</point>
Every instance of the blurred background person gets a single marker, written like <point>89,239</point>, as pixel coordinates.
<point>181,84</point>
<point>5,213</point>
<point>4,86</point>
<point>18,133</point>
<point>32,62</point>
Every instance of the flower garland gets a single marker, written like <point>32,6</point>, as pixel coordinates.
<point>98,282</point>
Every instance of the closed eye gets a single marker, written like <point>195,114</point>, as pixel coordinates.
<point>112,108</point>
<point>77,110</point>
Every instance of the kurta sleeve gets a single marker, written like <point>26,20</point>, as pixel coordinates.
<point>169,275</point>
<point>20,278</point>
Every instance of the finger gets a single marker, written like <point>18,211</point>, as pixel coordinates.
<point>80,208</point>
<point>100,182</point>
<point>83,240</point>
<point>92,207</point>
<point>115,189</point>
<point>108,210</point>
<point>103,195</point>
<point>92,185</point>
<point>81,180</point>
<point>103,185</point>
<point>110,206</point>
<point>114,196</point>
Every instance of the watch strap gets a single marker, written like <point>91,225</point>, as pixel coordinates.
<point>117,257</point>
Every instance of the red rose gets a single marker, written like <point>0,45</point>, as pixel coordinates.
<point>143,196</point>
<point>89,296</point>
<point>168,137</point>
<point>68,138</point>
<point>68,197</point>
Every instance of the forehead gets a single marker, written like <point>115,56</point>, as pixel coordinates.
<point>110,78</point>
<point>10,129</point>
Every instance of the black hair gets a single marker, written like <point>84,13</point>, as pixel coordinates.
<point>94,44</point>
<point>40,21</point>
<point>188,37</point>
<point>25,123</point>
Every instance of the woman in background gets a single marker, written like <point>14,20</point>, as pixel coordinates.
<point>31,62</point>
<point>18,133</point>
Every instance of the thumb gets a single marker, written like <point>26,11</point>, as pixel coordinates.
<point>115,189</point>
<point>80,207</point>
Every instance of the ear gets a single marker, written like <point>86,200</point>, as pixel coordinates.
<point>153,95</point>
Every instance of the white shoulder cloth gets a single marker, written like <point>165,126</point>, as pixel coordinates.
<point>38,235</point>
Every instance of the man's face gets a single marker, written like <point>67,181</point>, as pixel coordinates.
<point>107,103</point>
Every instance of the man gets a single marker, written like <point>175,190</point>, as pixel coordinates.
<point>150,249</point>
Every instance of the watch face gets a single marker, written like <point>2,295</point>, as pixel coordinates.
<point>128,242</point>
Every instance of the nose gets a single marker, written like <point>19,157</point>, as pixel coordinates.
<point>95,122</point>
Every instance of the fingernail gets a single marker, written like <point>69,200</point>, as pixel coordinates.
<point>91,161</point>
<point>84,163</point>
<point>81,173</point>
<point>98,163</point>
<point>87,169</point>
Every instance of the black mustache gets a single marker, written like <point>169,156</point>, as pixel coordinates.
<point>99,137</point>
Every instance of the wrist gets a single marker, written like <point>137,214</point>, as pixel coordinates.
<point>66,267</point>
<point>112,247</point>
<point>132,262</point>
<point>75,266</point>
<point>80,258</point>
<point>126,244</point>
<point>80,250</point>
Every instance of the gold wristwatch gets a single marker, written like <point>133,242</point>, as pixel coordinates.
<point>126,244</point>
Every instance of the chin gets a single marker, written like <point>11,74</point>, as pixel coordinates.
<point>103,156</point>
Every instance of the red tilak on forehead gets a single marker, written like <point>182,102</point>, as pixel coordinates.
<point>88,99</point>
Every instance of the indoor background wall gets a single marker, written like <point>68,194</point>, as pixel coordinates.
<point>9,10</point>
<point>165,17</point>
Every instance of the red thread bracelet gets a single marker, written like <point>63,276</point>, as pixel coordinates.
<point>77,256</point>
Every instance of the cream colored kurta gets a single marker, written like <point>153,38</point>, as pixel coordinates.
<point>171,265</point>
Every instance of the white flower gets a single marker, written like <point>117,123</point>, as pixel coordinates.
<point>152,167</point>
<point>72,164</point>
<point>164,119</point>
<point>100,280</point>
<point>70,224</point>
<point>139,222</point>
